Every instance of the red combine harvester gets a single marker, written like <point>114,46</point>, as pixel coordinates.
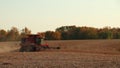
<point>34,42</point>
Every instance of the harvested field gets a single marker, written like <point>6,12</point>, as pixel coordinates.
<point>73,54</point>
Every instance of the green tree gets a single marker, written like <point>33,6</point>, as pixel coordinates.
<point>67,32</point>
<point>50,35</point>
<point>116,33</point>
<point>3,34</point>
<point>105,33</point>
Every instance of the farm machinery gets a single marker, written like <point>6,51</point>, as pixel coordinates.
<point>33,42</point>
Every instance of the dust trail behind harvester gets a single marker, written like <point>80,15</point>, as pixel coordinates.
<point>9,46</point>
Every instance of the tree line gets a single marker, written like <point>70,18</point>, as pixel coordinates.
<point>13,34</point>
<point>78,33</point>
<point>63,33</point>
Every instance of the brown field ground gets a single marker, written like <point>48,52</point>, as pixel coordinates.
<point>73,54</point>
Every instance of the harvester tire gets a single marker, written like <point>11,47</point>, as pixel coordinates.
<point>58,48</point>
<point>21,49</point>
<point>29,48</point>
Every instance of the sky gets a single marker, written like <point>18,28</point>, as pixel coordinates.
<point>44,15</point>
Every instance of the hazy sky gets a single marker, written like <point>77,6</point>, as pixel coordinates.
<point>43,15</point>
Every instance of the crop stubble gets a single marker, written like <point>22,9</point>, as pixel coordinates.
<point>74,54</point>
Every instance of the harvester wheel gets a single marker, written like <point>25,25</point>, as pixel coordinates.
<point>21,49</point>
<point>29,48</point>
<point>58,48</point>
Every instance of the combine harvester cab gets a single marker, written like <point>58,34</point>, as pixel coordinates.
<point>32,43</point>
